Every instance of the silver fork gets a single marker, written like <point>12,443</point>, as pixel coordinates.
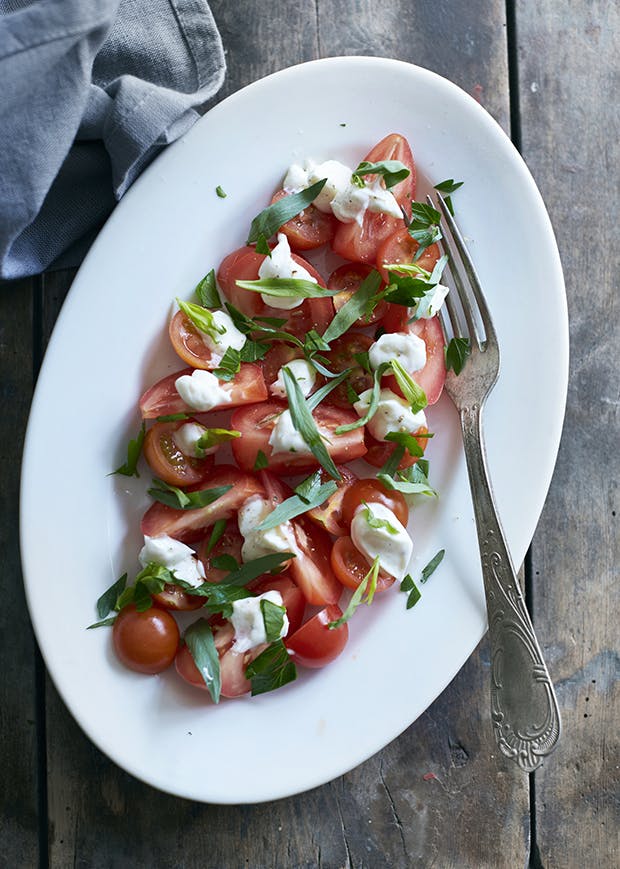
<point>524,708</point>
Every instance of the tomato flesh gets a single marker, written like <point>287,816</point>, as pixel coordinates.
<point>167,461</point>
<point>314,644</point>
<point>230,543</point>
<point>329,514</point>
<point>342,356</point>
<point>351,567</point>
<point>400,247</point>
<point>347,279</point>
<point>145,641</point>
<point>371,491</point>
<point>309,229</point>
<point>379,452</point>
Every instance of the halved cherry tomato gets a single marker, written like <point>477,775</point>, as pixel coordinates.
<point>166,459</point>
<point>162,399</point>
<point>145,641</point>
<point>380,451</point>
<point>371,491</point>
<point>310,569</point>
<point>314,645</point>
<point>232,664</point>
<point>189,525</point>
<point>361,243</point>
<point>310,229</point>
<point>243,264</point>
<point>292,596</point>
<point>257,422</point>
<point>342,356</point>
<point>401,248</point>
<point>432,377</point>
<point>347,279</point>
<point>351,567</point>
<point>188,343</point>
<point>329,514</point>
<point>280,354</point>
<point>174,598</point>
<point>230,543</point>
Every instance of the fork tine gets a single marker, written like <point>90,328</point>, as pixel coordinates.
<point>470,270</point>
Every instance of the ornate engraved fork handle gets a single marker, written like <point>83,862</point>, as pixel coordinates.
<point>524,708</point>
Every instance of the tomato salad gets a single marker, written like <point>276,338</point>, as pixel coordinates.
<point>317,371</point>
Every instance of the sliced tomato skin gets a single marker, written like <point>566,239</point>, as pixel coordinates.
<point>230,543</point>
<point>347,279</point>
<point>379,452</point>
<point>145,641</point>
<point>432,377</point>
<point>174,598</point>
<point>256,424</point>
<point>310,229</point>
<point>371,491</point>
<point>329,515</point>
<point>188,343</point>
<point>351,567</point>
<point>167,461</point>
<point>189,526</point>
<point>400,247</point>
<point>342,356</point>
<point>162,399</point>
<point>232,664</point>
<point>360,244</point>
<point>314,645</point>
<point>279,355</point>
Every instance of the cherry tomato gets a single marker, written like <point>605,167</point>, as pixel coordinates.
<point>230,543</point>
<point>174,598</point>
<point>379,451</point>
<point>244,264</point>
<point>432,377</point>
<point>167,461</point>
<point>189,525</point>
<point>232,664</point>
<point>314,645</point>
<point>292,596</point>
<point>401,248</point>
<point>145,641</point>
<point>188,343</point>
<point>162,399</point>
<point>279,355</point>
<point>329,514</point>
<point>372,491</point>
<point>257,422</point>
<point>342,356</point>
<point>311,228</point>
<point>347,279</point>
<point>351,567</point>
<point>361,243</point>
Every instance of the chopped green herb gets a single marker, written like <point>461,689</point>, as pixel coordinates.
<point>321,394</point>
<point>102,624</point>
<point>252,351</point>
<point>262,246</point>
<point>272,669</point>
<point>424,226</point>
<point>457,352</point>
<point>352,395</point>
<point>391,466</point>
<point>304,423</point>
<point>392,171</point>
<point>408,441</point>
<point>216,534</point>
<point>172,417</point>
<point>180,500</point>
<point>297,504</point>
<point>206,291</point>
<point>414,394</point>
<point>274,216</point>
<point>107,601</point>
<point>229,364</point>
<point>199,640</point>
<point>134,449</point>
<point>224,562</point>
<point>409,587</point>
<point>361,304</point>
<point>251,569</point>
<point>285,288</point>
<point>273,617</point>
<point>220,192</point>
<point>212,437</point>
<point>367,586</point>
<point>261,461</point>
<point>375,522</point>
<point>202,319</point>
<point>447,187</point>
<point>432,565</point>
<point>409,481</point>
<point>373,404</point>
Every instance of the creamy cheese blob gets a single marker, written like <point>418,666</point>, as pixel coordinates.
<point>432,301</point>
<point>187,436</point>
<point>390,543</point>
<point>249,624</point>
<point>302,371</point>
<point>285,438</point>
<point>410,350</point>
<point>229,337</point>
<point>393,414</point>
<point>176,556</point>
<point>282,265</point>
<point>201,390</point>
<point>258,543</point>
<point>345,200</point>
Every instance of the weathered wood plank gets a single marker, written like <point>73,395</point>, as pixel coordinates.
<point>18,716</point>
<point>570,137</point>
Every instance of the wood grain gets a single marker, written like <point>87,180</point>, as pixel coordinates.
<point>18,713</point>
<point>570,132</point>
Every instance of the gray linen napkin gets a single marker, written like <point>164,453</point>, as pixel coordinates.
<point>90,91</point>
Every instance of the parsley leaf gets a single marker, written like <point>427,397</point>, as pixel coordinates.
<point>107,601</point>
<point>298,504</point>
<point>134,449</point>
<point>199,640</point>
<point>261,461</point>
<point>392,171</point>
<point>272,669</point>
<point>304,423</point>
<point>180,500</point>
<point>206,291</point>
<point>230,364</point>
<point>424,226</point>
<point>457,352</point>
<point>409,481</point>
<point>367,586</point>
<point>274,216</point>
<point>359,305</point>
<point>408,586</point>
<point>273,617</point>
<point>432,565</point>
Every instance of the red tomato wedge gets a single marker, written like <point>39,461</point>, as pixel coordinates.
<point>167,461</point>
<point>232,664</point>
<point>188,344</point>
<point>243,265</point>
<point>257,422</point>
<point>247,387</point>
<point>309,229</point>
<point>329,514</point>
<point>401,248</point>
<point>372,491</point>
<point>351,567</point>
<point>230,543</point>
<point>433,376</point>
<point>292,596</point>
<point>379,452</point>
<point>347,280</point>
<point>361,243</point>
<point>190,525</point>
<point>314,644</point>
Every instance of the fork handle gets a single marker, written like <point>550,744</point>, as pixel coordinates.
<point>524,707</point>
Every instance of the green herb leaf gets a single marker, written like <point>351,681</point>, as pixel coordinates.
<point>216,534</point>
<point>308,488</point>
<point>206,291</point>
<point>273,617</point>
<point>179,500</point>
<point>172,417</point>
<point>220,192</point>
<point>406,290</point>
<point>253,351</point>
<point>229,364</point>
<point>274,216</point>
<point>272,669</point>
<point>447,187</point>
<point>367,586</point>
<point>457,352</point>
<point>361,304</point>
<point>296,505</point>
<point>224,562</point>
<point>414,394</point>
<point>409,481</point>
<point>285,288</point>
<point>261,461</point>
<point>432,565</point>
<point>262,246</point>
<point>391,466</point>
<point>304,423</point>
<point>199,640</point>
<point>408,441</point>
<point>251,569</point>
<point>134,449</point>
<point>408,586</point>
<point>375,522</point>
<point>107,601</point>
<point>317,397</point>
<point>374,402</point>
<point>392,171</point>
<point>220,598</point>
<point>202,319</point>
<point>424,226</point>
<point>265,327</point>
<point>352,395</point>
<point>103,623</point>
<point>212,437</point>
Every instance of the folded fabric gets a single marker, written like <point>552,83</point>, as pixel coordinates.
<point>91,91</point>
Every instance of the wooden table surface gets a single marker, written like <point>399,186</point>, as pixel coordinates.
<point>548,72</point>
